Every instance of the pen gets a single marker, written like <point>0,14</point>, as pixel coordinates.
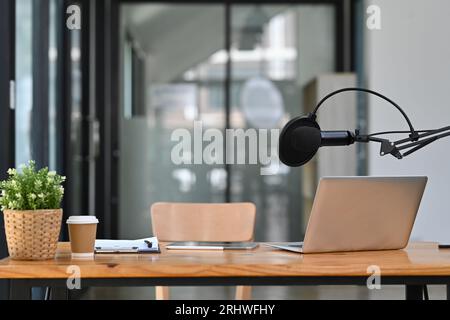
<point>149,243</point>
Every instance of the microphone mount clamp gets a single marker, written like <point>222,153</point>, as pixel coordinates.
<point>423,138</point>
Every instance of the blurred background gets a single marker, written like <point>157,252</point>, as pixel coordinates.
<point>99,105</point>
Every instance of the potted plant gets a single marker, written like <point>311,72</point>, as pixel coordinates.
<point>30,201</point>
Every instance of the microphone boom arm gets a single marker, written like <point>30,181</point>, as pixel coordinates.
<point>409,144</point>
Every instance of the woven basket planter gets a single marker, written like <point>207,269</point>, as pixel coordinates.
<point>32,234</point>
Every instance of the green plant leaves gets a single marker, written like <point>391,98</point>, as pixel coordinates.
<point>31,189</point>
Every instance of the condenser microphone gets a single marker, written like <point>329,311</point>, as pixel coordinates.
<point>302,137</point>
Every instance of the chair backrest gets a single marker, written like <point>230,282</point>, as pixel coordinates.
<point>203,221</point>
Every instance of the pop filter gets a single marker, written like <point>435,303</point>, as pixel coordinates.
<point>299,141</point>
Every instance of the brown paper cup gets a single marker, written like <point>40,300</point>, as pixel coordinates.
<point>82,234</point>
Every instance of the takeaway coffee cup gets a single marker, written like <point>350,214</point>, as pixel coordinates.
<point>82,234</point>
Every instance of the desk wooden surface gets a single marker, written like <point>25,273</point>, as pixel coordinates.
<point>418,259</point>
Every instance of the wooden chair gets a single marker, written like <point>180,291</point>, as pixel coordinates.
<point>203,222</point>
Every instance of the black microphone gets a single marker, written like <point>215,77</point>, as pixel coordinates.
<point>302,137</point>
<point>337,138</point>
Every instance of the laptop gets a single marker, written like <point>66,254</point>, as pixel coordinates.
<point>361,213</point>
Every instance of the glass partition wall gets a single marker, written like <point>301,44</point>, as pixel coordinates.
<point>187,68</point>
<point>169,81</point>
<point>274,55</point>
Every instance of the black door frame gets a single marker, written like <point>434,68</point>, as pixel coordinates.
<point>106,32</point>
<point>64,140</point>
<point>40,74</point>
<point>7,122</point>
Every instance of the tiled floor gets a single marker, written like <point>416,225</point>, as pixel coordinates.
<point>283,293</point>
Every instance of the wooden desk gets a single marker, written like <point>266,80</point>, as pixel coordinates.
<point>417,265</point>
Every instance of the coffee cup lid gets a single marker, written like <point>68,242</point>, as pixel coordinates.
<point>82,220</point>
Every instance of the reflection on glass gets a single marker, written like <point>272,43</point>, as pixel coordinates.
<point>24,79</point>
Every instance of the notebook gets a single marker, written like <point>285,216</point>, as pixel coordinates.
<point>146,245</point>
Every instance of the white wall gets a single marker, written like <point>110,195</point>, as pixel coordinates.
<point>409,61</point>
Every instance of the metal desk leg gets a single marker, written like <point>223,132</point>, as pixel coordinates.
<point>19,290</point>
<point>414,292</point>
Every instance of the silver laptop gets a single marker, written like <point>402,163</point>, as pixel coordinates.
<point>361,213</point>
